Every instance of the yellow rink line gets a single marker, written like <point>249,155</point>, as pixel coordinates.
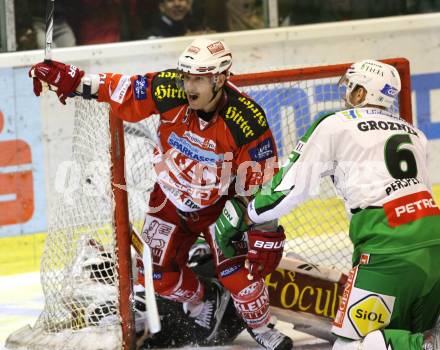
<point>22,254</point>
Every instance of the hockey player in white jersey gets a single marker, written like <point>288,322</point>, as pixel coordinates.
<point>378,163</point>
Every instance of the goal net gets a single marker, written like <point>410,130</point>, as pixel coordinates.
<point>85,269</point>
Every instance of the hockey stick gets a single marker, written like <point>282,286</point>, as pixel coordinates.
<point>50,10</point>
<point>319,271</point>
<point>153,321</point>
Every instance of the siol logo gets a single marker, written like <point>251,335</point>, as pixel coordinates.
<point>369,314</point>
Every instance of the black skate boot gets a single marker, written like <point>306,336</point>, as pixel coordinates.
<point>271,338</point>
<point>208,315</point>
<point>432,337</point>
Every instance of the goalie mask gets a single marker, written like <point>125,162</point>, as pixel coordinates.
<point>381,82</point>
<point>205,57</point>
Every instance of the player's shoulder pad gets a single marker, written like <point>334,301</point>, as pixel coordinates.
<point>244,117</point>
<point>166,92</point>
<point>316,123</point>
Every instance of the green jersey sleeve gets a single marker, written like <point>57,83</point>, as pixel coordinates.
<point>300,177</point>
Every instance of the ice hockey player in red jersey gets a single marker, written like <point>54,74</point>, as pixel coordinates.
<point>214,143</point>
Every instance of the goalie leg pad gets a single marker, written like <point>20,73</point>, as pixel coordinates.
<point>180,286</point>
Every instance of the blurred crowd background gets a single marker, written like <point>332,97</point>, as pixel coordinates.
<point>84,22</point>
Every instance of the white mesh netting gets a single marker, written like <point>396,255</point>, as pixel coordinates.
<point>78,268</point>
<point>317,229</point>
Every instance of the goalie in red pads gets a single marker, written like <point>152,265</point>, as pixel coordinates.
<point>214,144</point>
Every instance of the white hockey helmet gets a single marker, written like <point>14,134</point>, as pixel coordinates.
<point>205,57</point>
<point>380,80</point>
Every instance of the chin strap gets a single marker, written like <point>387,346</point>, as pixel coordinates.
<point>359,105</point>
<point>214,91</point>
<point>214,94</point>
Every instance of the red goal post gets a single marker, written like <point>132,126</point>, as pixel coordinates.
<point>317,72</point>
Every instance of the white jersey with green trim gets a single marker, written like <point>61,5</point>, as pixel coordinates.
<point>372,156</point>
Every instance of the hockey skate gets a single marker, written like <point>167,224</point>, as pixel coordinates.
<point>271,338</point>
<point>432,337</point>
<point>208,314</point>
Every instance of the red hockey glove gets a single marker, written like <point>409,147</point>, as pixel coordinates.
<point>63,78</point>
<point>265,252</point>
